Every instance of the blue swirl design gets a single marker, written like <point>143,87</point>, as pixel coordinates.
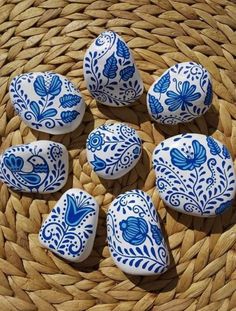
<point>46,87</point>
<point>124,142</point>
<point>15,172</point>
<point>208,182</point>
<point>68,235</point>
<point>147,249</point>
<point>116,73</point>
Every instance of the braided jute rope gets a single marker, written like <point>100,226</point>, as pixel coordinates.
<point>37,35</point>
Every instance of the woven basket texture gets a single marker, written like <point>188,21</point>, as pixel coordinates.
<point>37,35</point>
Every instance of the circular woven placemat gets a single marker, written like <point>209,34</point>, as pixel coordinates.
<point>37,35</point>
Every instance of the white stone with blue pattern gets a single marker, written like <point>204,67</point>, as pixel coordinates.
<point>181,94</point>
<point>47,102</point>
<point>70,228</point>
<point>195,174</point>
<point>134,234</point>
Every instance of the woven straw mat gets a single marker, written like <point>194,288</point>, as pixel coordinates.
<point>37,35</point>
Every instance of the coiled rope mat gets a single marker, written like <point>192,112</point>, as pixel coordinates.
<point>37,35</point>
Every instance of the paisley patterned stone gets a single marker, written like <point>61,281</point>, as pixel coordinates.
<point>113,150</point>
<point>47,102</point>
<point>110,72</point>
<point>70,228</point>
<point>134,235</point>
<point>195,174</point>
<point>181,94</point>
<point>40,166</point>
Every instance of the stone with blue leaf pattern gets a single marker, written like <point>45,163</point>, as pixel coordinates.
<point>135,239</point>
<point>70,228</point>
<point>195,174</point>
<point>40,167</point>
<point>110,72</point>
<point>113,150</point>
<point>47,102</point>
<point>181,94</point>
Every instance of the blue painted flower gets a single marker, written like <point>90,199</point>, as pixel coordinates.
<point>13,163</point>
<point>134,230</point>
<point>98,164</point>
<point>75,211</point>
<point>189,160</point>
<point>156,234</point>
<point>43,89</point>
<point>183,97</point>
<point>95,141</point>
<point>223,206</point>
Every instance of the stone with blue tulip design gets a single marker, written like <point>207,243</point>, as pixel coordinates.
<point>113,150</point>
<point>40,167</point>
<point>135,239</point>
<point>47,102</point>
<point>70,228</point>
<point>110,72</point>
<point>195,174</point>
<point>181,94</point>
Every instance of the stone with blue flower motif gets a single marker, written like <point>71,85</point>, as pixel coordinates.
<point>195,174</point>
<point>134,234</point>
<point>181,94</point>
<point>110,73</point>
<point>47,102</point>
<point>113,150</point>
<point>40,167</point>
<point>70,228</point>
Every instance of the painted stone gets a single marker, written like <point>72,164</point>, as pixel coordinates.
<point>195,174</point>
<point>110,72</point>
<point>40,166</point>
<point>113,150</point>
<point>181,94</point>
<point>47,102</point>
<point>69,230</point>
<point>135,239</point>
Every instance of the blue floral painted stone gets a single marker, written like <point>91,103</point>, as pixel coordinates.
<point>47,102</point>
<point>70,228</point>
<point>181,94</point>
<point>135,239</point>
<point>110,72</point>
<point>113,150</point>
<point>195,174</point>
<point>40,166</point>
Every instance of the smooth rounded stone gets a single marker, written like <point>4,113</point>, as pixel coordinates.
<point>70,228</point>
<point>40,166</point>
<point>181,94</point>
<point>110,72</point>
<point>47,102</point>
<point>135,239</point>
<point>195,174</point>
<point>113,150</point>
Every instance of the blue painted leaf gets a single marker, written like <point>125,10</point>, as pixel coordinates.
<point>155,105</point>
<point>127,73</point>
<point>225,152</point>
<point>162,84</point>
<point>213,145</point>
<point>40,87</point>
<point>110,67</point>
<point>209,95</point>
<point>98,164</point>
<point>35,108</point>
<point>69,116</point>
<point>69,100</point>
<point>122,49</point>
<point>49,113</point>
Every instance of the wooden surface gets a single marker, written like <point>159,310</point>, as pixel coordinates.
<point>37,35</point>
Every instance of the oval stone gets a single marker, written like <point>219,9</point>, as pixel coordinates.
<point>110,72</point>
<point>70,228</point>
<point>181,94</point>
<point>195,174</point>
<point>113,150</point>
<point>47,102</point>
<point>135,239</point>
<point>40,166</point>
